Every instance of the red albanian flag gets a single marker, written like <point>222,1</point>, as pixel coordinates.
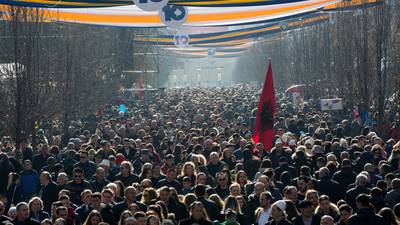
<point>264,126</point>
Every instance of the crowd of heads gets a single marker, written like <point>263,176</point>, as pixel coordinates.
<point>187,157</point>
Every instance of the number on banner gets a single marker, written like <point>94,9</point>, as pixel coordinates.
<point>174,16</point>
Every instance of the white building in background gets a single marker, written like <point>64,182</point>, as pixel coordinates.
<point>205,72</point>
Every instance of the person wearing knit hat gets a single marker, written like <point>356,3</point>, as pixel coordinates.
<point>105,162</point>
<point>119,158</point>
<point>278,214</point>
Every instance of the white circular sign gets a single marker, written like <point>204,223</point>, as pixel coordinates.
<point>181,40</point>
<point>174,15</point>
<point>150,5</point>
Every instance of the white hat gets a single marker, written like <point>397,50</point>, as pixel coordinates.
<point>292,143</point>
<point>343,142</point>
<point>281,204</point>
<point>105,162</point>
<point>278,141</point>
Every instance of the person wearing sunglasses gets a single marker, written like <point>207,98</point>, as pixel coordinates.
<point>77,185</point>
<point>223,184</point>
<point>88,167</point>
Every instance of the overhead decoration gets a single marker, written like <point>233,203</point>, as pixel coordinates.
<point>202,3</point>
<point>132,16</point>
<point>239,34</point>
<point>174,16</point>
<point>353,4</point>
<point>181,40</point>
<point>143,4</point>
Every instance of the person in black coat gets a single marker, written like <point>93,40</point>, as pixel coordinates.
<point>88,167</point>
<point>307,214</point>
<point>198,215</point>
<point>251,163</point>
<point>326,186</point>
<point>126,175</point>
<point>284,166</point>
<point>127,150</point>
<point>170,180</point>
<point>36,209</point>
<point>99,181</point>
<point>361,188</point>
<point>26,150</point>
<point>365,214</point>
<point>48,191</point>
<point>77,186</point>
<point>130,197</point>
<point>210,206</point>
<point>345,176</point>
<point>105,210</point>
<point>23,216</point>
<point>5,169</point>
<point>173,204</point>
<point>254,200</point>
<point>40,160</point>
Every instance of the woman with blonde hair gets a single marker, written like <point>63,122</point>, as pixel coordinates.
<point>326,207</point>
<point>189,170</point>
<point>202,160</point>
<point>220,204</point>
<point>36,209</point>
<point>149,196</point>
<point>232,203</point>
<point>124,215</point>
<point>313,197</point>
<point>94,218</point>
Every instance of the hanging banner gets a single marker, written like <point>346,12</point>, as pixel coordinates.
<point>146,5</point>
<point>239,34</point>
<point>331,104</point>
<point>132,16</point>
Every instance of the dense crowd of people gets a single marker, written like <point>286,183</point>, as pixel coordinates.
<point>187,157</point>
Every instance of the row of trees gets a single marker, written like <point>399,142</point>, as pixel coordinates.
<point>354,55</point>
<point>59,71</point>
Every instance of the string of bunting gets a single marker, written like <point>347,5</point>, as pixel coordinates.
<point>176,16</point>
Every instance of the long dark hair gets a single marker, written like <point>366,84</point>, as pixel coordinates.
<point>92,214</point>
<point>388,216</point>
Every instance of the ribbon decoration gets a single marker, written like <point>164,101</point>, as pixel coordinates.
<point>113,3</point>
<point>236,36</point>
<point>132,16</point>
